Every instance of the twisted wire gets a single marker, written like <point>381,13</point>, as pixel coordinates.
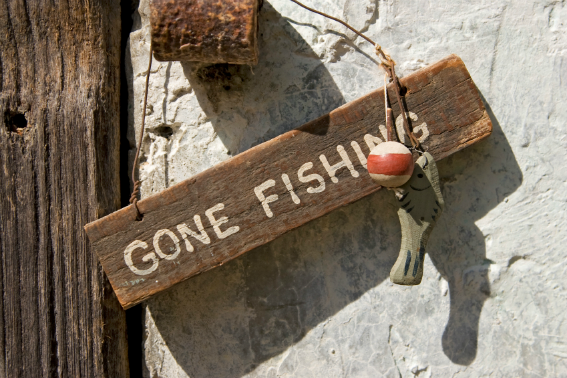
<point>137,183</point>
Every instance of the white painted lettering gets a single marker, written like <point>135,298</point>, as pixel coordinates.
<point>312,177</point>
<point>259,190</point>
<point>172,236</point>
<point>356,147</point>
<point>424,132</point>
<point>289,187</point>
<point>185,231</point>
<point>372,141</point>
<point>332,169</point>
<point>384,132</point>
<point>150,256</point>
<point>217,222</point>
<point>400,129</point>
<point>414,118</point>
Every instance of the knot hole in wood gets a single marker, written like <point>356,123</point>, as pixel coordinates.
<point>15,122</point>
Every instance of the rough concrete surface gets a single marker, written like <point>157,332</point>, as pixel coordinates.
<point>318,302</point>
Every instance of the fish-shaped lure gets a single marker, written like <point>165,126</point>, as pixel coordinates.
<point>420,205</point>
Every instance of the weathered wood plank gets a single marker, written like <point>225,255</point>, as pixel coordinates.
<point>268,190</point>
<point>59,169</point>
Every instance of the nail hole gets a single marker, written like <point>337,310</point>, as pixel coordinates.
<point>420,175</point>
<point>164,131</point>
<point>15,122</point>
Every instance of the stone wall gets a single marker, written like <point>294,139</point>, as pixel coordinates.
<point>318,301</point>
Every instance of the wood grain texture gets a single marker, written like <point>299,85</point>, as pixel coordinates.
<point>60,73</point>
<point>443,96</point>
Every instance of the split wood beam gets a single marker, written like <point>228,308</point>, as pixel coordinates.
<point>59,169</point>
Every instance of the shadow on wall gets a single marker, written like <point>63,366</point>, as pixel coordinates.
<point>250,105</point>
<point>229,320</point>
<point>474,182</point>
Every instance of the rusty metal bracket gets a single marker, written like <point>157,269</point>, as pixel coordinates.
<point>222,31</point>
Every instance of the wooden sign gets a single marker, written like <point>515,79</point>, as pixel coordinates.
<point>279,185</point>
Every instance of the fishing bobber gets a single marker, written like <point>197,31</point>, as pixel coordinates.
<point>390,164</point>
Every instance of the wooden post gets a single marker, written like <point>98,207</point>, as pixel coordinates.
<point>59,169</point>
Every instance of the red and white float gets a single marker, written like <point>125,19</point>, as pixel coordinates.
<point>390,164</point>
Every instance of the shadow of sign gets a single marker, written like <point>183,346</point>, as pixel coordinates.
<point>227,321</point>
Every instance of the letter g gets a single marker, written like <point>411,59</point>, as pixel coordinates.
<point>150,256</point>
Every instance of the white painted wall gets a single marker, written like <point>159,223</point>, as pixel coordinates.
<point>317,301</point>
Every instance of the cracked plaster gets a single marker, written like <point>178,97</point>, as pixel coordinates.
<point>318,301</point>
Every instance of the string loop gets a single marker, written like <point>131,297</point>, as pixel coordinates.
<point>386,61</point>
<point>137,184</point>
